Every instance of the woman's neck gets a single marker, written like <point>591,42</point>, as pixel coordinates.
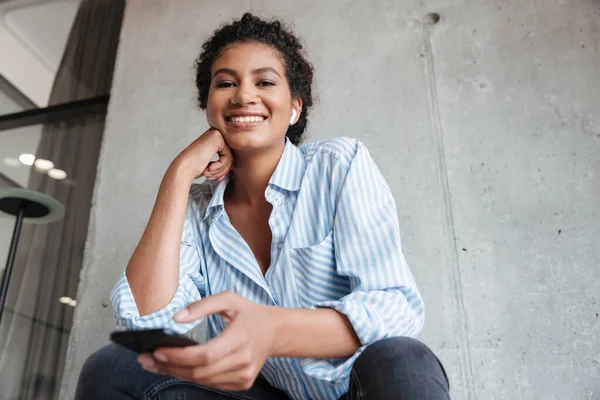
<point>251,174</point>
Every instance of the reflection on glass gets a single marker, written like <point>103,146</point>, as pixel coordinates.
<point>27,159</point>
<point>57,174</point>
<point>36,323</point>
<point>34,33</point>
<point>18,166</point>
<point>57,159</point>
<point>43,165</point>
<point>20,144</point>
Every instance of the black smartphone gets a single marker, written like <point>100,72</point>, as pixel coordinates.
<point>148,340</point>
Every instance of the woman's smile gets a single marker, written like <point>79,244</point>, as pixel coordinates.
<point>244,120</point>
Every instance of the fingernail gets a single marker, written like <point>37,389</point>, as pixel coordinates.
<point>181,314</point>
<point>160,357</point>
<point>147,364</point>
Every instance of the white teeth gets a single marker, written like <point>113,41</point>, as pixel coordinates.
<point>247,119</point>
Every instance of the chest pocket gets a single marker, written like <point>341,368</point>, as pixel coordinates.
<point>316,275</point>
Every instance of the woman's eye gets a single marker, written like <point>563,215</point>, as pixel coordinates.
<point>224,85</point>
<point>265,83</point>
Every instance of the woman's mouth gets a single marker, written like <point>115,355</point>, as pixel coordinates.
<point>244,121</point>
<point>252,118</point>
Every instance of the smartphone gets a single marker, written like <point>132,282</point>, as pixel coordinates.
<point>148,340</point>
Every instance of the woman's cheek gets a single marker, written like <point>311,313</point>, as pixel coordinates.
<point>213,119</point>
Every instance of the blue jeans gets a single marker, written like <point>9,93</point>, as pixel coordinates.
<point>392,368</point>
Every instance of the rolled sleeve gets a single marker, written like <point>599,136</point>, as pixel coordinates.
<point>190,287</point>
<point>379,314</point>
<point>384,299</point>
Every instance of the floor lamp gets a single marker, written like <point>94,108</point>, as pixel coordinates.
<point>27,206</point>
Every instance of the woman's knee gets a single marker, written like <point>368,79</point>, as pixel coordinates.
<point>104,370</point>
<point>398,357</point>
<point>105,360</point>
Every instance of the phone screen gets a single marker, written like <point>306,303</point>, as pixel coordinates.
<point>148,340</point>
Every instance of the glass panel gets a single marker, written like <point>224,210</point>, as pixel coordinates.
<point>35,34</point>
<point>39,308</point>
<point>17,147</point>
<point>58,160</point>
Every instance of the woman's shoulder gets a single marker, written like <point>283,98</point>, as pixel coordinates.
<point>342,148</point>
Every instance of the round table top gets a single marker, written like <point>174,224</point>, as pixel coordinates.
<point>41,208</point>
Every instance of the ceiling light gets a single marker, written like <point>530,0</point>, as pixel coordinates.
<point>58,174</point>
<point>65,300</point>
<point>27,159</point>
<point>43,165</point>
<point>73,303</point>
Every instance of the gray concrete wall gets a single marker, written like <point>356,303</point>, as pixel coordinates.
<point>486,126</point>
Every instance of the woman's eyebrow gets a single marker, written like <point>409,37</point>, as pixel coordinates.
<point>224,71</point>
<point>265,69</point>
<point>254,72</point>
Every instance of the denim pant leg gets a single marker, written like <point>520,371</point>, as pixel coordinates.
<point>398,368</point>
<point>113,373</point>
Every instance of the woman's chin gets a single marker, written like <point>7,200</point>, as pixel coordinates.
<point>249,140</point>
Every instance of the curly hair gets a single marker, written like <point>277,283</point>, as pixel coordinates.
<point>249,28</point>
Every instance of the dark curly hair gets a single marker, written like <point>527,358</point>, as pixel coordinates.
<point>249,28</point>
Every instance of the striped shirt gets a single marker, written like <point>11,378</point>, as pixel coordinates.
<point>336,243</point>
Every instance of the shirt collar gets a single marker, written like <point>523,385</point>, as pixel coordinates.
<point>218,189</point>
<point>287,175</point>
<point>290,169</point>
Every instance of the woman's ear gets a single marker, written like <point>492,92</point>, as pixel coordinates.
<point>296,110</point>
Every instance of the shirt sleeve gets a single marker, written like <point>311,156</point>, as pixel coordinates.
<point>384,301</point>
<point>190,288</point>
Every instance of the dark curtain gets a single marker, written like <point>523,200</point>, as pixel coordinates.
<point>34,333</point>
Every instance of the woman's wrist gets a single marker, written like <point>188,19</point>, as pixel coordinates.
<point>180,171</point>
<point>279,342</point>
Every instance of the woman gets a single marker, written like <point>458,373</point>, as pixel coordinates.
<point>291,253</point>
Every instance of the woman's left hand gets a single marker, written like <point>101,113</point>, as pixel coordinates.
<point>232,360</point>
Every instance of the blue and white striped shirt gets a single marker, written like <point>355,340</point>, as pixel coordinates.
<point>336,243</point>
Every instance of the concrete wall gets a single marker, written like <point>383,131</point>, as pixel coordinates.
<point>486,126</point>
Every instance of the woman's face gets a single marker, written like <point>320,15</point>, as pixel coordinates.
<point>249,100</point>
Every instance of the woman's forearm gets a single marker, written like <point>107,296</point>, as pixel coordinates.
<point>319,333</point>
<point>153,270</point>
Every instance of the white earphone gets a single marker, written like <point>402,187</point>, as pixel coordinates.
<point>293,117</point>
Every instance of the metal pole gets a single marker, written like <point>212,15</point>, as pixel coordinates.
<point>11,256</point>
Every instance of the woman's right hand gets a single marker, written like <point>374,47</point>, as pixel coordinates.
<point>196,159</point>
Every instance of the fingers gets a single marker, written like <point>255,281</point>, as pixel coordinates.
<point>199,355</point>
<point>197,370</point>
<point>221,303</point>
<point>240,379</point>
<point>229,374</point>
<point>217,170</point>
<point>215,166</point>
<point>234,371</point>
<point>223,362</point>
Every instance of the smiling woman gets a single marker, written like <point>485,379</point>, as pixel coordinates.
<point>292,253</point>
<point>279,66</point>
<point>252,104</point>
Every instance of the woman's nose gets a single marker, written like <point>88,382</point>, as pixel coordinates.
<point>244,95</point>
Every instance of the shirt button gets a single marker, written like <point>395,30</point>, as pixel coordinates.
<point>280,245</point>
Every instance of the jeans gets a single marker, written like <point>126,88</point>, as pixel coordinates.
<point>392,368</point>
